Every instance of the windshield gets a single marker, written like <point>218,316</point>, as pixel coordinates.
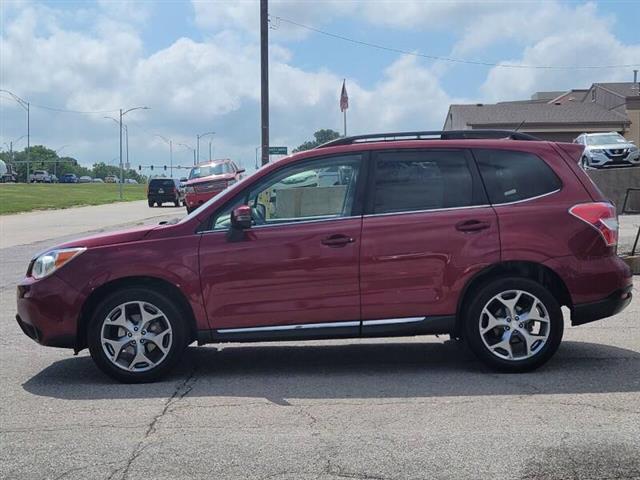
<point>207,170</point>
<point>605,139</point>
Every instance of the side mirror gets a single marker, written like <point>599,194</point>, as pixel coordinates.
<point>241,217</point>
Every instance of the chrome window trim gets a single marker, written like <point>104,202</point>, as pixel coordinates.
<point>405,212</point>
<point>316,220</point>
<point>528,199</point>
<point>302,326</point>
<point>392,321</point>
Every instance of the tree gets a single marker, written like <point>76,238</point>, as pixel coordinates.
<point>321,136</point>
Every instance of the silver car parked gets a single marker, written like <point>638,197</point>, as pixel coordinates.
<point>607,150</point>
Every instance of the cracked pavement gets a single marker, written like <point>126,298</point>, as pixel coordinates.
<point>400,408</point>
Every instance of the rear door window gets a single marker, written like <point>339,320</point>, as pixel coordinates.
<point>419,180</point>
<point>511,176</point>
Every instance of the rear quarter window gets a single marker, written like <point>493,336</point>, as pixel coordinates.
<point>512,176</point>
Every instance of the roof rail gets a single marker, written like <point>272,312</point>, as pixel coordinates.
<point>430,135</point>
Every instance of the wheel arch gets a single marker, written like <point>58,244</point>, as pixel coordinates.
<point>154,283</point>
<point>518,268</point>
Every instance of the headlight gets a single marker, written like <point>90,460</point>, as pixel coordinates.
<point>190,190</point>
<point>633,148</point>
<point>49,262</point>
<point>596,150</point>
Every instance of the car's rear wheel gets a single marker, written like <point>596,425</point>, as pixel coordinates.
<point>513,324</point>
<point>136,335</point>
<point>150,203</point>
<point>584,162</point>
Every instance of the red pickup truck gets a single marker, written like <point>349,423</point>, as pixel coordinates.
<point>208,179</point>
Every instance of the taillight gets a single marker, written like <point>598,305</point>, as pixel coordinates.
<point>601,216</point>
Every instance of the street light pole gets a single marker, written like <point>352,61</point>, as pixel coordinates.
<point>119,122</point>
<point>198,137</point>
<point>121,171</point>
<point>170,143</point>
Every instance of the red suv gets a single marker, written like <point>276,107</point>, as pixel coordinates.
<point>209,179</point>
<point>386,235</point>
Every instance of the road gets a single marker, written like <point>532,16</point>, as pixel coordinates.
<point>402,408</point>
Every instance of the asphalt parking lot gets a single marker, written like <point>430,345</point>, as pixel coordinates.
<point>402,408</point>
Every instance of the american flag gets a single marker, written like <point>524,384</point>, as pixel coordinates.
<point>344,98</point>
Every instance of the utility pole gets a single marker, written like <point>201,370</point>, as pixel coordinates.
<point>122,114</point>
<point>264,78</point>
<point>24,104</point>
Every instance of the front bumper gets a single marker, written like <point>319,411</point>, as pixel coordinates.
<point>607,307</point>
<point>194,200</point>
<point>48,311</point>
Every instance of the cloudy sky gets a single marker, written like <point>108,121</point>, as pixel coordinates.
<point>196,65</point>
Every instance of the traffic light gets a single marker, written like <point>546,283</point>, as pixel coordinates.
<point>151,167</point>
<point>139,167</point>
<point>165,168</point>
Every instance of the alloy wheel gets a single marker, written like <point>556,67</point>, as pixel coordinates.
<point>514,325</point>
<point>136,336</point>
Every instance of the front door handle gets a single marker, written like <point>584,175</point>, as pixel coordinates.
<point>472,225</point>
<point>337,240</point>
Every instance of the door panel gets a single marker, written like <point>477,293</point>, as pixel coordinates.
<point>428,230</point>
<point>416,264</point>
<point>282,274</point>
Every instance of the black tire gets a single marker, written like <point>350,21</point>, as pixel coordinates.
<point>159,204</point>
<point>584,163</point>
<point>176,203</point>
<point>472,324</point>
<point>189,210</point>
<point>173,315</point>
<point>150,203</point>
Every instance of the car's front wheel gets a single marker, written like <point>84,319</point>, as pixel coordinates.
<point>136,335</point>
<point>513,324</point>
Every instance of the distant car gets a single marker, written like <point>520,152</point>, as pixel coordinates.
<point>40,176</point>
<point>85,179</point>
<point>162,190</point>
<point>69,178</point>
<point>97,180</point>
<point>132,181</point>
<point>111,179</point>
<point>53,178</point>
<point>209,179</point>
<point>607,150</point>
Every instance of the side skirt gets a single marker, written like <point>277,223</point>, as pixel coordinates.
<point>389,327</point>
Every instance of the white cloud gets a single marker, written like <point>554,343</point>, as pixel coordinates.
<point>213,84</point>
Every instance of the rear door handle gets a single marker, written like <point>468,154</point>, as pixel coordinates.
<point>337,240</point>
<point>472,225</point>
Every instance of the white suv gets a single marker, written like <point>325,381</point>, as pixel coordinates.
<point>607,150</point>
<point>40,176</point>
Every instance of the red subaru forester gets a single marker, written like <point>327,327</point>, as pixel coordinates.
<point>479,235</point>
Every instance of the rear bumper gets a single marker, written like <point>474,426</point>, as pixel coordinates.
<point>162,197</point>
<point>590,312</point>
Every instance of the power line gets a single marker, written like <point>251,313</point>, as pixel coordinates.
<point>450,59</point>
<point>64,110</point>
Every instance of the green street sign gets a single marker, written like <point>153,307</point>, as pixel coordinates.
<point>277,150</point>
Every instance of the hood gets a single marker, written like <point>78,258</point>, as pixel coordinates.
<point>211,178</point>
<point>110,238</point>
<point>611,146</point>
